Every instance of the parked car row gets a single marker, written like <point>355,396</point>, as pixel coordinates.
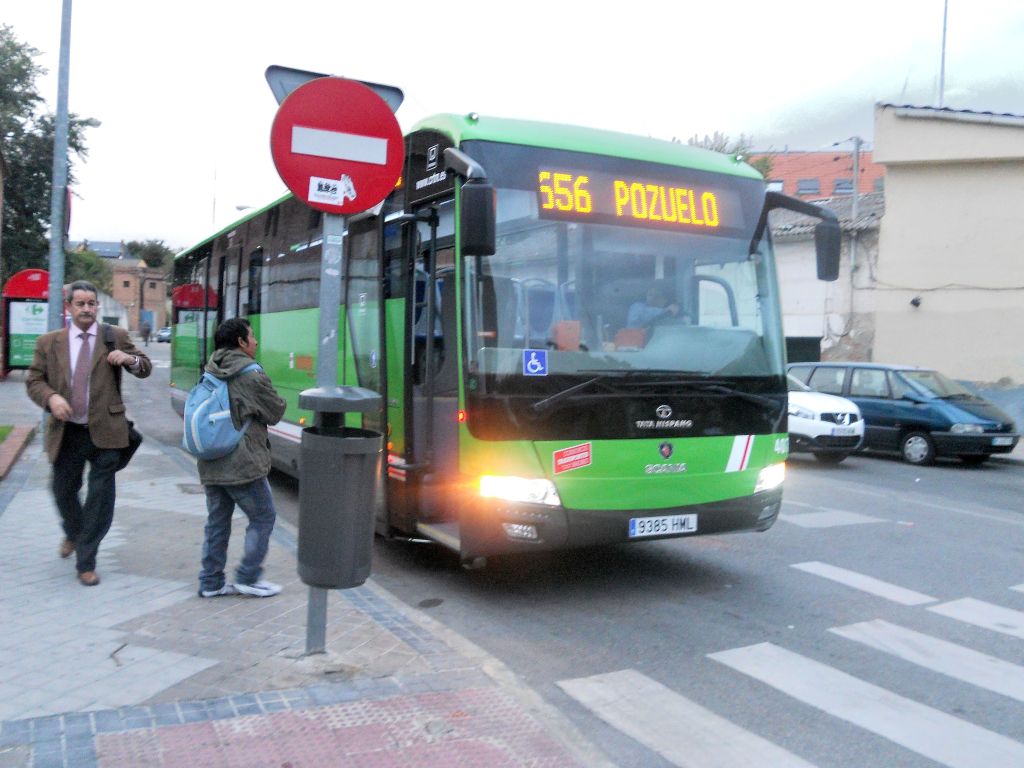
<point>916,412</point>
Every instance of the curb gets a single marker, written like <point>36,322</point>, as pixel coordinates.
<point>11,448</point>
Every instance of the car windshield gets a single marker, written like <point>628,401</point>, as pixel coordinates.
<point>934,384</point>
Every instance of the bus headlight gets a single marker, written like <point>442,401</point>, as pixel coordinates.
<point>530,490</point>
<point>770,477</point>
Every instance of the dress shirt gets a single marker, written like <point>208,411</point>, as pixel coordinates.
<point>75,342</point>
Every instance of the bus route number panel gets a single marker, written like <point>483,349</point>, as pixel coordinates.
<point>661,526</point>
<point>604,198</point>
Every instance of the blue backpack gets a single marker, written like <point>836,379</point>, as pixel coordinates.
<point>209,431</point>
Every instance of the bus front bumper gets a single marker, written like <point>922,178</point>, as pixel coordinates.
<point>499,527</point>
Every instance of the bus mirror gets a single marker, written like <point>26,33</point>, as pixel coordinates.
<point>826,245</point>
<point>477,219</point>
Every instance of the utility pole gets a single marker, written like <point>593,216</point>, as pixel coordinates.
<point>942,62</point>
<point>59,182</point>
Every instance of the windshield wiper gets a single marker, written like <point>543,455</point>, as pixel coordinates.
<point>543,405</point>
<point>715,386</point>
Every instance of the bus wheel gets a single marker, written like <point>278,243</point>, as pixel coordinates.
<point>917,448</point>
<point>474,563</point>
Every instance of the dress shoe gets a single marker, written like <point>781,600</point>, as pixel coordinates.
<point>67,548</point>
<point>89,578</point>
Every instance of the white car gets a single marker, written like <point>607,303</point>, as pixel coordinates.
<point>830,427</point>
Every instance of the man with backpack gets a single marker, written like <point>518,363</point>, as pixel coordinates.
<point>240,476</point>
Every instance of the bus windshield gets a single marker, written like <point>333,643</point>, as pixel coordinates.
<point>607,265</point>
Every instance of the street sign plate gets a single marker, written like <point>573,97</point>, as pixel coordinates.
<point>337,145</point>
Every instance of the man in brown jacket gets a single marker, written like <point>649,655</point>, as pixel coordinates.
<point>74,377</point>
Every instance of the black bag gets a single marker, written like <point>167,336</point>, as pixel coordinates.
<point>134,436</point>
<point>134,441</point>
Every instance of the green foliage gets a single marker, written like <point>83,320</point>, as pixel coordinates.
<point>26,139</point>
<point>88,265</point>
<point>720,142</point>
<point>153,252</point>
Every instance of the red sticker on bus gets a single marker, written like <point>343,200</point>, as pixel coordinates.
<point>573,457</point>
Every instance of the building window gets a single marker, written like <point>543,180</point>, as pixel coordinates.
<point>808,187</point>
<point>843,187</point>
<point>880,184</point>
<point>775,185</point>
<point>126,284</point>
<point>152,283</point>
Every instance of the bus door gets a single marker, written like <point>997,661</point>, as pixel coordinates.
<point>423,455</point>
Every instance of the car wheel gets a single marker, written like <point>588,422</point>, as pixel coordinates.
<point>917,448</point>
<point>830,458</point>
<point>974,460</point>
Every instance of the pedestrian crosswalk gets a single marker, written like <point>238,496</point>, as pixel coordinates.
<point>689,732</point>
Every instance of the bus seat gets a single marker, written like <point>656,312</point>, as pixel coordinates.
<point>566,335</point>
<point>630,338</point>
<point>498,308</point>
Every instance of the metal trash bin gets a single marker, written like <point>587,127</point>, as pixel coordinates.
<point>337,483</point>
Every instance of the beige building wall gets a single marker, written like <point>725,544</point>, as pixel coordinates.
<point>949,281</point>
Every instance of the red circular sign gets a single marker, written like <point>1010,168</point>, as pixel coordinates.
<point>337,145</point>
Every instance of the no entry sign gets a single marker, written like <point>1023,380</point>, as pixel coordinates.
<point>337,145</point>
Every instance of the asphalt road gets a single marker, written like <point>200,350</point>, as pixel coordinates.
<point>879,623</point>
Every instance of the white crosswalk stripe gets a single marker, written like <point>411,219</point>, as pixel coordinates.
<point>982,614</point>
<point>866,583</point>
<point>657,717</point>
<point>941,656</point>
<point>941,737</point>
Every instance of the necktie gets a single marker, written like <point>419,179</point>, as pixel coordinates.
<point>80,379</point>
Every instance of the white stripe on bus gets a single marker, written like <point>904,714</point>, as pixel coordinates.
<point>929,732</point>
<point>682,732</point>
<point>940,656</point>
<point>740,454</point>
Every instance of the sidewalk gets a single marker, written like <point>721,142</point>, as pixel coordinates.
<point>139,671</point>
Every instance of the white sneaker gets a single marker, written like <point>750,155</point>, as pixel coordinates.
<point>227,589</point>
<point>259,589</point>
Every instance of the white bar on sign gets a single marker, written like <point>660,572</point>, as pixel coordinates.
<point>941,737</point>
<point>865,583</point>
<point>339,146</point>
<point>679,730</point>
<point>982,614</point>
<point>940,656</point>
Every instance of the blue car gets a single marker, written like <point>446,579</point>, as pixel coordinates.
<point>916,412</point>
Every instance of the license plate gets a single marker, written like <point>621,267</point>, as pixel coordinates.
<point>1002,441</point>
<point>843,430</point>
<point>661,526</point>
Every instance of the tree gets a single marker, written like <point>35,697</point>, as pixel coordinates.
<point>720,142</point>
<point>89,265</point>
<point>153,252</point>
<point>27,137</point>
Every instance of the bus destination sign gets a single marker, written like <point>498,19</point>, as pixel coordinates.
<point>606,198</point>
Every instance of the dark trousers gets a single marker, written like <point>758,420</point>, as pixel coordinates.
<point>84,524</point>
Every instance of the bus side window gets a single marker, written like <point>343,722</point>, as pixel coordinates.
<point>254,286</point>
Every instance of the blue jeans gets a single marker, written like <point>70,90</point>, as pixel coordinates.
<point>256,501</point>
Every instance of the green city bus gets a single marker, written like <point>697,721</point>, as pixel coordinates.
<point>490,301</point>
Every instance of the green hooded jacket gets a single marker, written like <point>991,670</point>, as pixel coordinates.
<point>252,396</point>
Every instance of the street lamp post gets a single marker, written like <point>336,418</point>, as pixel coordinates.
<point>55,302</point>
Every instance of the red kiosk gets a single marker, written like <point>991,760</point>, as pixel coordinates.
<point>24,315</point>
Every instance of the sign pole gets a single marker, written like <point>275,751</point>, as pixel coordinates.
<point>339,149</point>
<point>326,379</point>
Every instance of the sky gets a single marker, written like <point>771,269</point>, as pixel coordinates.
<point>185,109</point>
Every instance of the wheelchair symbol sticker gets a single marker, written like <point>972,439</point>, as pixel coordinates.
<point>535,362</point>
